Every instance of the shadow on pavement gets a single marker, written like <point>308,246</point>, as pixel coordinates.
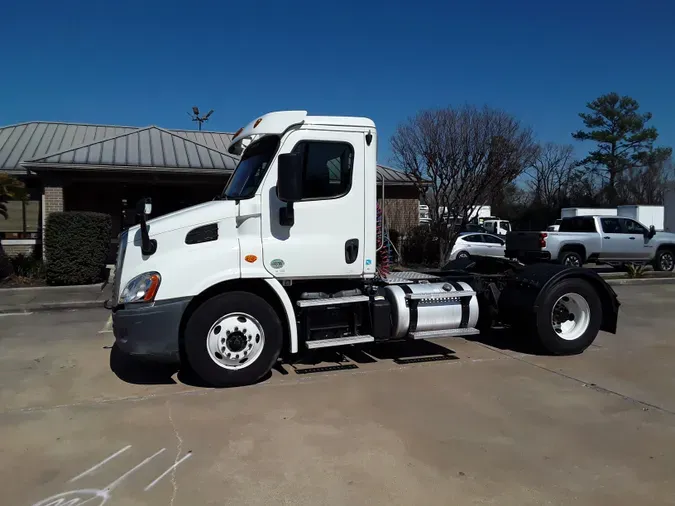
<point>140,372</point>
<point>508,340</point>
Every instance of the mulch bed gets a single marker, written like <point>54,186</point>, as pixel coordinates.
<point>22,282</point>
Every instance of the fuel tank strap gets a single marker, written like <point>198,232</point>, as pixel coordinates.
<point>413,308</point>
<point>464,301</point>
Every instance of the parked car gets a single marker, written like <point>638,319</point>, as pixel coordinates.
<point>609,240</point>
<point>472,244</point>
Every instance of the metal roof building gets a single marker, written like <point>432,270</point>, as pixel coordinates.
<point>44,145</point>
<point>105,168</point>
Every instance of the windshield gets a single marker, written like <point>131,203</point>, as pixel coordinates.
<point>251,169</point>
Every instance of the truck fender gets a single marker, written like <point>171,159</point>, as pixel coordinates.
<point>287,305</point>
<point>526,289</point>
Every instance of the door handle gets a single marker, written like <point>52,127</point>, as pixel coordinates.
<point>606,237</point>
<point>351,250</point>
<point>632,238</point>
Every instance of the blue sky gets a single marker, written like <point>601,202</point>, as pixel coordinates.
<point>147,62</point>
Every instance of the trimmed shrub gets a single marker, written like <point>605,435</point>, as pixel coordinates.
<point>76,246</point>
<point>421,247</point>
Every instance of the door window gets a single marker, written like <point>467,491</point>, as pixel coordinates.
<point>632,227</point>
<point>327,169</point>
<point>611,225</point>
<point>473,238</point>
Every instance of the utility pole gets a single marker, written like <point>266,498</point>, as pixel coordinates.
<point>199,119</point>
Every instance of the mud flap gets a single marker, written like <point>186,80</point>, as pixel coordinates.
<point>525,288</point>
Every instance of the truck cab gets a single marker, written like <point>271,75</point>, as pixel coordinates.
<point>285,258</point>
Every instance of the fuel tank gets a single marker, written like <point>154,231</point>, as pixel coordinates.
<point>419,307</point>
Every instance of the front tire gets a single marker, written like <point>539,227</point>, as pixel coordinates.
<point>462,255</point>
<point>568,319</point>
<point>233,339</point>
<point>665,260</point>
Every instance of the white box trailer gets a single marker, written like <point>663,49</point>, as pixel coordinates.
<point>570,212</point>
<point>647,215</point>
<point>669,209</point>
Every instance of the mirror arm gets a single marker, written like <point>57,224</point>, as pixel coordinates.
<point>287,215</point>
<point>148,246</point>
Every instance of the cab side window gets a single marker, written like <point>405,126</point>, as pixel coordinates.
<point>327,169</point>
<point>611,225</point>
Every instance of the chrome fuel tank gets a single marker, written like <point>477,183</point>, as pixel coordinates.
<point>420,307</point>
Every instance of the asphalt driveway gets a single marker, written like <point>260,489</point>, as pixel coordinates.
<point>486,422</point>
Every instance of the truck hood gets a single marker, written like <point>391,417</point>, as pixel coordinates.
<point>665,236</point>
<point>201,214</point>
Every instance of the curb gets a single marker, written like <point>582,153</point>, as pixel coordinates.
<point>640,281</point>
<point>52,306</point>
<point>96,286</point>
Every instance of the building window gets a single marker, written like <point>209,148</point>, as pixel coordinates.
<point>23,217</point>
<point>327,169</point>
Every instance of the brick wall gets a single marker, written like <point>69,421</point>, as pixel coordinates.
<point>401,214</point>
<point>401,207</point>
<point>52,202</point>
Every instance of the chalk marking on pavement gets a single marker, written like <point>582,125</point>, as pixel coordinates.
<point>76,498</point>
<point>16,314</point>
<point>174,466</point>
<point>132,470</point>
<point>104,461</point>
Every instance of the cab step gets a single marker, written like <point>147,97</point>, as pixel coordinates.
<point>332,300</point>
<point>435,334</point>
<point>339,341</point>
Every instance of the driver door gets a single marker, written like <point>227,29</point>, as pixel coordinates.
<point>327,236</point>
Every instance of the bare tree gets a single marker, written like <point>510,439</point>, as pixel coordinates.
<point>466,155</point>
<point>552,175</point>
<point>646,184</point>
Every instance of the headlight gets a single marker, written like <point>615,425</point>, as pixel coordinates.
<point>142,288</point>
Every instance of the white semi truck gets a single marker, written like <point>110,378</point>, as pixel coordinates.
<point>289,258</point>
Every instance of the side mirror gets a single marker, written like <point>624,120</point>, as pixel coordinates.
<point>144,206</point>
<point>289,182</point>
<point>652,232</point>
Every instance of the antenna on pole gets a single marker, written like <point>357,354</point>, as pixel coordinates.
<point>199,119</point>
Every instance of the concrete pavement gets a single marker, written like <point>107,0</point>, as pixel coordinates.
<point>492,424</point>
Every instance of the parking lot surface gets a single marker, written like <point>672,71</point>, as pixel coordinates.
<point>487,423</point>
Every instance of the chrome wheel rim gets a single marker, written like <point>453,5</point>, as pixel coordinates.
<point>667,261</point>
<point>235,341</point>
<point>573,260</point>
<point>570,316</point>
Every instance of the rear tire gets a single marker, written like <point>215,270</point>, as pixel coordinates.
<point>665,260</point>
<point>575,298</point>
<point>233,339</point>
<point>571,259</point>
<point>462,254</point>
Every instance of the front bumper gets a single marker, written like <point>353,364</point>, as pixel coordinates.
<point>150,331</point>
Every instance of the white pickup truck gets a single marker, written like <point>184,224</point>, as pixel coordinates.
<point>612,240</point>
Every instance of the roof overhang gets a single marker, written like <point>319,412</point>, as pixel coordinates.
<point>51,167</point>
<point>271,123</point>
